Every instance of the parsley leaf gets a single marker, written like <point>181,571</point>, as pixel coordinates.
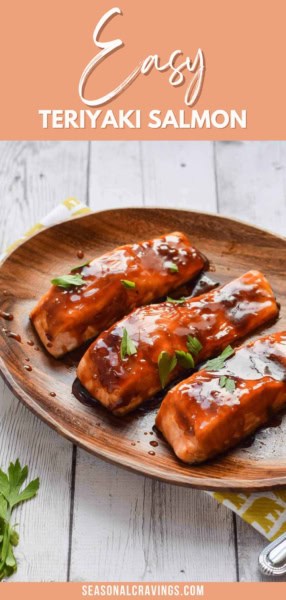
<point>194,345</point>
<point>67,281</point>
<point>85,264</point>
<point>128,284</point>
<point>227,383</point>
<point>12,494</point>
<point>171,266</point>
<point>176,300</point>
<point>16,477</point>
<point>127,346</point>
<point>230,385</point>
<point>215,364</point>
<point>166,364</point>
<point>3,507</point>
<point>222,381</point>
<point>4,484</point>
<point>185,359</point>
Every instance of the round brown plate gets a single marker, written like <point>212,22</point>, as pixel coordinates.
<point>232,247</point>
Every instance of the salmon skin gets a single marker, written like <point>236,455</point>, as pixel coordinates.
<point>205,414</point>
<point>215,319</point>
<point>114,284</point>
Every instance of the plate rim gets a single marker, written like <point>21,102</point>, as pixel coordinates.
<point>143,209</point>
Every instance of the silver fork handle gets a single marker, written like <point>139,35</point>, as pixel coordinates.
<point>272,560</point>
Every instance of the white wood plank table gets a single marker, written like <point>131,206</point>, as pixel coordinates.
<point>93,521</point>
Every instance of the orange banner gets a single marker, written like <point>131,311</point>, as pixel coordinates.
<point>157,591</point>
<point>143,70</point>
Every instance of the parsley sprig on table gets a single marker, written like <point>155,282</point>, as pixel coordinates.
<point>12,493</point>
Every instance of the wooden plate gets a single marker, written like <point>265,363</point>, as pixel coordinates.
<point>232,247</point>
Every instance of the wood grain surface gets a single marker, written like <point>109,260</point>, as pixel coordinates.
<point>99,512</point>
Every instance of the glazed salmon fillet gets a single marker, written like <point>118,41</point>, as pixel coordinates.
<point>110,287</point>
<point>121,367</point>
<point>212,411</point>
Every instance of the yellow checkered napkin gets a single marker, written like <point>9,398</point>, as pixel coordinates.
<point>265,511</point>
<point>66,210</point>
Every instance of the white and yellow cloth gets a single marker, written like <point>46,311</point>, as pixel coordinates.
<point>266,511</point>
<point>71,207</point>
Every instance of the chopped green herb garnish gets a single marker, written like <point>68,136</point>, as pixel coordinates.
<point>194,345</point>
<point>127,346</point>
<point>10,496</point>
<point>230,385</point>
<point>222,380</point>
<point>227,383</point>
<point>215,364</point>
<point>176,300</point>
<point>171,266</point>
<point>85,264</point>
<point>185,359</point>
<point>128,284</point>
<point>67,281</point>
<point>166,364</point>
